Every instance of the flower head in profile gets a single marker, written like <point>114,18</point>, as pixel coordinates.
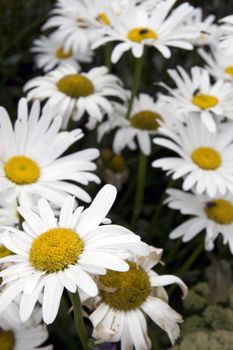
<point>206,26</point>
<point>214,215</point>
<point>205,159</point>
<point>218,64</point>
<point>50,53</point>
<point>72,28</point>
<point>126,297</point>
<point>51,254</point>
<point>18,335</point>
<point>71,94</point>
<point>226,35</point>
<point>197,94</point>
<point>137,27</point>
<point>144,121</point>
<point>30,158</point>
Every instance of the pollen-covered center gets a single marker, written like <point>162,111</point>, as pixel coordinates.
<point>62,54</point>
<point>22,170</point>
<point>220,211</point>
<point>125,290</point>
<point>229,71</point>
<point>204,101</point>
<point>103,18</point>
<point>55,249</point>
<point>75,85</point>
<point>145,120</point>
<point>206,158</point>
<point>139,34</point>
<point>7,340</point>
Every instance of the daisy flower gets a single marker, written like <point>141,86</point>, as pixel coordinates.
<point>197,94</point>
<point>136,28</point>
<point>50,53</point>
<point>206,27</point>
<point>30,162</point>
<point>214,215</point>
<point>15,335</point>
<point>72,29</point>
<point>52,254</point>
<point>226,35</point>
<point>144,120</point>
<point>205,159</point>
<point>71,94</point>
<point>218,64</point>
<point>126,297</point>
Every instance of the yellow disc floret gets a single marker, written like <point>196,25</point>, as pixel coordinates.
<point>204,101</point>
<point>220,211</point>
<point>22,170</point>
<point>139,34</point>
<point>229,71</point>
<point>4,251</point>
<point>103,18</point>
<point>55,249</point>
<point>145,120</point>
<point>75,85</point>
<point>7,340</point>
<point>206,158</point>
<point>125,290</point>
<point>62,54</point>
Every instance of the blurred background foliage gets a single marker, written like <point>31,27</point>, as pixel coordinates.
<point>20,23</point>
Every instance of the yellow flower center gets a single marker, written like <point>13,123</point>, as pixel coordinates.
<point>229,70</point>
<point>75,85</point>
<point>55,249</point>
<point>139,34</point>
<point>4,251</point>
<point>62,55</point>
<point>103,18</point>
<point>145,120</point>
<point>206,158</point>
<point>112,161</point>
<point>7,340</point>
<point>22,170</point>
<point>220,211</point>
<point>204,101</point>
<point>125,290</point>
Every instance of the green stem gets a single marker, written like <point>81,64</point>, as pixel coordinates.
<point>142,167</point>
<point>189,263</point>
<point>78,319</point>
<point>136,81</point>
<point>108,53</point>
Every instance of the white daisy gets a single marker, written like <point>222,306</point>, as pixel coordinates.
<point>16,335</point>
<point>125,298</point>
<point>71,94</point>
<point>136,28</point>
<point>226,35</point>
<point>207,28</point>
<point>197,94</point>
<point>219,65</point>
<point>76,33</point>
<point>144,120</point>
<point>204,159</point>
<point>214,215</point>
<point>29,158</point>
<point>51,254</point>
<point>50,53</point>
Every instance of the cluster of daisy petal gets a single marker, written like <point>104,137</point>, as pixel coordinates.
<point>52,245</point>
